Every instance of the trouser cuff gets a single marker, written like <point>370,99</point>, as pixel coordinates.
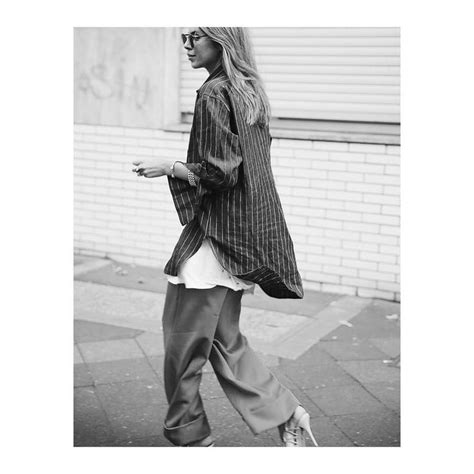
<point>191,432</point>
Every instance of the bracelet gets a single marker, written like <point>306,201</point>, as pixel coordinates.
<point>191,178</point>
<point>172,169</point>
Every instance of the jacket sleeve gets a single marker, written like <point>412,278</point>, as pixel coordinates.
<point>218,147</point>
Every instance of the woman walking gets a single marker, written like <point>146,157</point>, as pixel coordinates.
<point>235,237</point>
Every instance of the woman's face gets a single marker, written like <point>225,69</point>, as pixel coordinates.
<point>202,52</point>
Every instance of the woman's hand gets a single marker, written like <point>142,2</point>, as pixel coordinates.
<point>151,168</point>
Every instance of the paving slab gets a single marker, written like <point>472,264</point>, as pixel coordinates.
<point>388,345</point>
<point>118,397</point>
<point>121,371</point>
<point>89,331</point>
<point>210,387</point>
<point>327,433</point>
<point>118,349</point>
<point>311,376</point>
<point>82,376</point>
<point>387,393</point>
<point>371,371</point>
<point>77,356</point>
<point>381,428</point>
<point>344,400</point>
<point>358,349</point>
<point>156,441</point>
<point>91,426</point>
<point>138,422</point>
<point>128,308</point>
<point>151,343</point>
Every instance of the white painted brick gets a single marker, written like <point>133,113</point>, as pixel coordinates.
<point>322,277</point>
<point>312,249</point>
<point>282,152</point>
<point>361,227</point>
<point>377,257</point>
<point>344,195</point>
<point>293,219</point>
<point>390,230</point>
<point>388,286</point>
<point>365,168</point>
<point>382,199</point>
<point>386,267</point>
<point>296,201</point>
<point>324,259</point>
<point>344,215</point>
<point>365,187</point>
<point>359,282</point>
<point>324,223</point>
<point>325,241</point>
<point>370,293</point>
<point>308,211</point>
<point>340,252</point>
<point>379,239</point>
<point>290,181</point>
<point>312,155</point>
<point>139,132</point>
<point>108,130</point>
<point>137,151</point>
<point>366,148</point>
<point>339,270</point>
<point>392,190</point>
<point>391,210</point>
<point>328,184</point>
<point>327,204</point>
<point>296,163</point>
<point>345,176</point>
<point>298,229</point>
<point>392,169</point>
<point>294,144</point>
<point>310,173</point>
<point>362,207</point>
<point>339,289</point>
<point>309,192</point>
<point>381,219</point>
<point>382,159</point>
<point>311,285</point>
<point>359,264</point>
<point>341,234</point>
<point>360,245</point>
<point>397,297</point>
<point>347,158</point>
<point>84,146</point>
<point>375,275</point>
<point>393,150</point>
<point>390,249</point>
<point>382,179</point>
<point>332,146</point>
<point>83,128</point>
<point>107,148</point>
<point>169,153</point>
<point>329,165</point>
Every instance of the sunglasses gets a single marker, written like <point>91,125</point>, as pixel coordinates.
<point>192,37</point>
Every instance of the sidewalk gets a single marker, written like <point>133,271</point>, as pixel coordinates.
<point>336,353</point>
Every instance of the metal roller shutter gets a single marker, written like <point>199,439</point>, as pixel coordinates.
<point>341,74</point>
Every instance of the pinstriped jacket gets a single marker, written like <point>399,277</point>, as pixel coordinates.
<point>235,204</point>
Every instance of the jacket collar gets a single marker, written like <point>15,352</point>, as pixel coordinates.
<point>218,71</point>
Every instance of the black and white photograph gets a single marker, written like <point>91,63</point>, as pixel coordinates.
<point>237,236</point>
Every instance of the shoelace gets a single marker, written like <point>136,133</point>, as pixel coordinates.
<point>294,436</point>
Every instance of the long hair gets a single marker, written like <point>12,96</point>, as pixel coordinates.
<point>239,64</point>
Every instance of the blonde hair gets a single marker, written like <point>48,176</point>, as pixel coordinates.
<point>239,64</point>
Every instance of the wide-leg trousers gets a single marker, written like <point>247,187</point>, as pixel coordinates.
<point>201,325</point>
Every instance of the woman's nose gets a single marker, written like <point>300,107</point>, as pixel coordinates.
<point>188,45</point>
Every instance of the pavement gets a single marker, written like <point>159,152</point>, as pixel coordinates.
<point>340,356</point>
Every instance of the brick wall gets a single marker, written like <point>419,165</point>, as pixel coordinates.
<point>341,202</point>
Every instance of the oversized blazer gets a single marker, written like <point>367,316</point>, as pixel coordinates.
<point>235,204</point>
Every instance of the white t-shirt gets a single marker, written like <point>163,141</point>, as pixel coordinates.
<point>202,270</point>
